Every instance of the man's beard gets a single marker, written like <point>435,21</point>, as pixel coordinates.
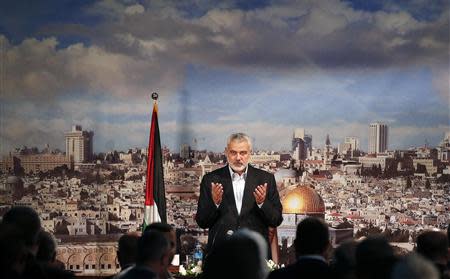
<point>238,168</point>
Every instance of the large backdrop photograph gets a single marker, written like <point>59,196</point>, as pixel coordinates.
<point>112,111</point>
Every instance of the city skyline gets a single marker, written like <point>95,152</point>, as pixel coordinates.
<point>330,67</point>
<point>350,142</point>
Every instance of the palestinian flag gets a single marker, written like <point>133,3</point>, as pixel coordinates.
<point>155,198</point>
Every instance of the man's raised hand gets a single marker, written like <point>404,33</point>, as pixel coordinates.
<point>260,193</point>
<point>217,193</point>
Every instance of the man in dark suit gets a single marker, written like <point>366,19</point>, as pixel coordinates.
<point>238,196</point>
<point>312,245</point>
<point>152,257</point>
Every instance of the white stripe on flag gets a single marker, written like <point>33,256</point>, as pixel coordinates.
<point>151,214</point>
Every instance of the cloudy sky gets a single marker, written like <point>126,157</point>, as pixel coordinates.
<point>262,67</point>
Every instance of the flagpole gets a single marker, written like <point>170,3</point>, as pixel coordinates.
<point>155,201</point>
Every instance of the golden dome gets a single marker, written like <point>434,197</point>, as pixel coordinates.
<point>303,200</point>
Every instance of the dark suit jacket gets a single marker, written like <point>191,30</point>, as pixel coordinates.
<point>136,272</point>
<point>303,268</point>
<point>226,218</point>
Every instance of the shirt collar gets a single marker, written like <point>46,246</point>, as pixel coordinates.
<point>234,175</point>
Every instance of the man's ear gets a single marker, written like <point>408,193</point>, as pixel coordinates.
<point>165,259</point>
<point>328,251</point>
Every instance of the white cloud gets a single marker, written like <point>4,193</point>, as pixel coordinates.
<point>134,9</point>
<point>37,69</point>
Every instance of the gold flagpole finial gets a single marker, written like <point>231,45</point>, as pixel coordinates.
<point>155,96</point>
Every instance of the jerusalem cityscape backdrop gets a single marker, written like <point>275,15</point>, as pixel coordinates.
<point>87,200</point>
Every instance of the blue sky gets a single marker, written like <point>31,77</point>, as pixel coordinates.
<point>262,67</point>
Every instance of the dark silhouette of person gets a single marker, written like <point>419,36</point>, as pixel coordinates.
<point>312,246</point>
<point>448,240</point>
<point>27,221</point>
<point>28,224</point>
<point>152,257</point>
<point>169,232</point>
<point>414,266</point>
<point>374,258</point>
<point>127,250</point>
<point>13,252</point>
<point>433,245</point>
<point>241,256</point>
<point>343,262</point>
<point>46,257</point>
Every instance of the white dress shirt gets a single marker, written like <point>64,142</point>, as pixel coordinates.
<point>238,187</point>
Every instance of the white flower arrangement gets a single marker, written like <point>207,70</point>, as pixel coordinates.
<point>191,270</point>
<point>196,269</point>
<point>272,265</point>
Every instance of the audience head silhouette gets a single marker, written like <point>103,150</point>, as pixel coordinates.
<point>169,233</point>
<point>312,237</point>
<point>13,252</point>
<point>47,247</point>
<point>127,250</point>
<point>433,245</point>
<point>414,266</point>
<point>374,258</point>
<point>152,257</point>
<point>344,260</point>
<point>153,249</point>
<point>27,221</point>
<point>244,252</point>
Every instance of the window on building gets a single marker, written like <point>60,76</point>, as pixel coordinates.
<point>78,266</point>
<point>86,266</point>
<point>71,266</point>
<point>93,266</point>
<point>103,266</point>
<point>109,266</point>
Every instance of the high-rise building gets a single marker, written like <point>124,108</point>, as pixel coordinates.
<point>299,133</point>
<point>299,145</point>
<point>185,151</point>
<point>443,148</point>
<point>378,138</point>
<point>349,145</point>
<point>79,145</point>
<point>308,142</point>
<point>353,142</point>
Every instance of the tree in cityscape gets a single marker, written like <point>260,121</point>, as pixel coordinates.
<point>408,182</point>
<point>84,195</point>
<point>61,228</point>
<point>427,184</point>
<point>369,230</point>
<point>421,169</point>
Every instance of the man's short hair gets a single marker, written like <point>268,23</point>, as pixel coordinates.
<point>152,246</point>
<point>240,137</point>
<point>26,220</point>
<point>13,248</point>
<point>414,266</point>
<point>47,247</point>
<point>127,250</point>
<point>160,227</point>
<point>374,258</point>
<point>312,237</point>
<point>245,252</point>
<point>432,245</point>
